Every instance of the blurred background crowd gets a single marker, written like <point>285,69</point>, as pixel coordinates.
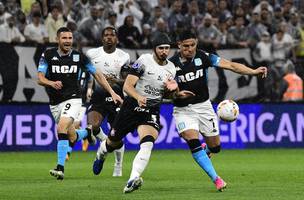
<point>273,30</point>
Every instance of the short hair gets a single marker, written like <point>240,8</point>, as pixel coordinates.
<point>55,6</point>
<point>109,28</point>
<point>63,29</point>
<point>187,34</point>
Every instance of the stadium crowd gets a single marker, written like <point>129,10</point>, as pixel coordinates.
<point>273,30</point>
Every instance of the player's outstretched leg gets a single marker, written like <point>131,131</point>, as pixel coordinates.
<point>202,159</point>
<point>117,171</point>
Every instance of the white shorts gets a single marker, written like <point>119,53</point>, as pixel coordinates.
<point>68,108</point>
<point>81,113</point>
<point>199,116</point>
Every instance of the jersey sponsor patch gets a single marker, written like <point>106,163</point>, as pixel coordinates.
<point>190,76</point>
<point>76,58</point>
<point>64,69</point>
<point>198,62</point>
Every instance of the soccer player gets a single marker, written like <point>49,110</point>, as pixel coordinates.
<point>150,76</point>
<point>59,71</point>
<point>113,63</point>
<point>194,114</point>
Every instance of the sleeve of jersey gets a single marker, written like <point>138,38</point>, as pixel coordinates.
<point>137,69</point>
<point>89,65</point>
<point>43,65</point>
<point>214,59</point>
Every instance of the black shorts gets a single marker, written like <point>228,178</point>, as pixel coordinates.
<point>103,103</point>
<point>131,116</point>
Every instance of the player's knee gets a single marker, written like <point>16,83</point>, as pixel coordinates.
<point>216,149</point>
<point>62,128</point>
<point>194,145</point>
<point>147,138</point>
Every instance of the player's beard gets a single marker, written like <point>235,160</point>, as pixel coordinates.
<point>162,58</point>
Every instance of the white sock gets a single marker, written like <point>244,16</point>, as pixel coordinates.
<point>101,135</point>
<point>141,159</point>
<point>102,150</point>
<point>119,156</point>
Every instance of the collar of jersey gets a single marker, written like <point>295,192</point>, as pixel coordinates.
<point>60,54</point>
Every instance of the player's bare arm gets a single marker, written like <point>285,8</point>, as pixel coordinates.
<point>183,94</point>
<point>129,88</point>
<point>242,69</point>
<point>43,81</point>
<point>100,78</point>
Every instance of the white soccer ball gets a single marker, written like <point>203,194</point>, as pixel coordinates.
<point>228,110</point>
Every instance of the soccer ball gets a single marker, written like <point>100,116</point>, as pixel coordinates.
<point>228,110</point>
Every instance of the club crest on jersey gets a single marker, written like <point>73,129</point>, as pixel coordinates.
<point>76,58</point>
<point>198,62</point>
<point>136,65</point>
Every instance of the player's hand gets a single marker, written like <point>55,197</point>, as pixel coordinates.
<point>57,85</point>
<point>89,94</point>
<point>261,71</point>
<point>171,85</point>
<point>142,101</point>
<point>184,94</point>
<point>116,98</point>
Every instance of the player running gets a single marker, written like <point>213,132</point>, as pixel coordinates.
<point>113,63</point>
<point>145,85</point>
<point>194,114</point>
<point>59,71</point>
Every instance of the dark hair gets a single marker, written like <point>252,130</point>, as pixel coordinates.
<point>187,34</point>
<point>161,38</point>
<point>112,13</point>
<point>36,14</point>
<point>54,6</point>
<point>63,29</point>
<point>108,28</point>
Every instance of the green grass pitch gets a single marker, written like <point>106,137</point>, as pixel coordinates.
<point>251,174</point>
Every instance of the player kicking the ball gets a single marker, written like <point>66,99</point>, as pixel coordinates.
<point>194,114</point>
